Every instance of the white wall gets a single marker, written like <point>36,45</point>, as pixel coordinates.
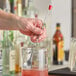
<point>61,12</point>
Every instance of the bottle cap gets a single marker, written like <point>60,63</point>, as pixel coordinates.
<point>58,24</point>
<point>50,7</point>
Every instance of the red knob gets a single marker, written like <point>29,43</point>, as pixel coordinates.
<point>50,7</point>
<point>22,44</point>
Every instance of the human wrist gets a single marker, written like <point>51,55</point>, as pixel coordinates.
<point>22,23</point>
<point>15,20</point>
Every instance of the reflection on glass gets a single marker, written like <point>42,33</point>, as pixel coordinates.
<point>72,57</point>
<point>34,59</point>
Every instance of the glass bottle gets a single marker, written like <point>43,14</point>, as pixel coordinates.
<point>18,39</point>
<point>30,10</point>
<point>17,11</point>
<point>8,54</point>
<point>17,53</point>
<point>11,54</point>
<point>1,49</point>
<point>12,6</point>
<point>12,59</point>
<point>6,44</point>
<point>15,7</point>
<point>24,4</point>
<point>5,54</point>
<point>6,6</point>
<point>58,44</point>
<point>19,7</point>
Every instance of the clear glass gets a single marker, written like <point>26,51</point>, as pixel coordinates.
<point>72,57</point>
<point>26,59</point>
<point>34,60</point>
<point>40,62</point>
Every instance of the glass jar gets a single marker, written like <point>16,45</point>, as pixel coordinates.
<point>34,59</point>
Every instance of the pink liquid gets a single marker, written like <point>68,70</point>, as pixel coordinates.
<point>26,72</point>
<point>34,73</point>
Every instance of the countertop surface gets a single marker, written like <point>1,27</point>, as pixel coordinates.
<point>19,74</point>
<point>62,72</point>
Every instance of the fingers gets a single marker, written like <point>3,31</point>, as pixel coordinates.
<point>42,37</point>
<point>37,38</point>
<point>34,29</point>
<point>33,25</point>
<point>34,39</point>
<point>36,22</point>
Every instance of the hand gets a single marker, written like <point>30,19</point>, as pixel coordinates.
<point>38,38</point>
<point>32,28</point>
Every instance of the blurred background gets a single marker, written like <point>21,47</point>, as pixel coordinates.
<point>61,12</point>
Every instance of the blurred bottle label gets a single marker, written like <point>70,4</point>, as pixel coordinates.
<point>12,60</point>
<point>60,50</point>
